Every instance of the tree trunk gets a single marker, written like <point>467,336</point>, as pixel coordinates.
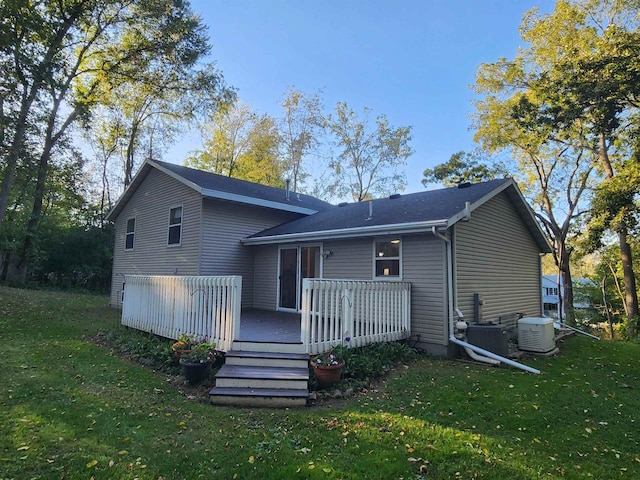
<point>631,295</point>
<point>566,287</point>
<point>17,275</point>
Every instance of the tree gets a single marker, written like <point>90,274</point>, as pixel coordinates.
<point>463,167</point>
<point>63,58</point>
<point>370,157</point>
<point>239,143</point>
<point>595,80</point>
<point>300,128</point>
<point>560,106</point>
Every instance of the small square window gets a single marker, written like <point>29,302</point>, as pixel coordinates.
<point>387,258</point>
<point>175,226</point>
<point>129,239</point>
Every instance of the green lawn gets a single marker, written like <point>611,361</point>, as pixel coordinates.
<point>72,409</point>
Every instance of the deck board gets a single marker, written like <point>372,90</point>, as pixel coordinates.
<point>269,326</point>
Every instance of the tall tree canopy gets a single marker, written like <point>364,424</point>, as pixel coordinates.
<point>463,167</point>
<point>370,157</point>
<point>564,106</point>
<point>61,59</point>
<point>300,129</point>
<point>242,144</point>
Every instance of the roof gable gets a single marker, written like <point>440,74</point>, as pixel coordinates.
<point>224,188</point>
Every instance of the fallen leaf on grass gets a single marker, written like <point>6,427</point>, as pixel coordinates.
<point>24,447</point>
<point>92,463</point>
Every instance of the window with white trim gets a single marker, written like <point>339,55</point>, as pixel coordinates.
<point>175,226</point>
<point>387,258</point>
<point>130,235</point>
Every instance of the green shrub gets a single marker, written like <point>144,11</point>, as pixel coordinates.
<point>372,361</point>
<point>143,347</point>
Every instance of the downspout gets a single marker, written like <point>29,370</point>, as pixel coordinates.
<point>476,353</point>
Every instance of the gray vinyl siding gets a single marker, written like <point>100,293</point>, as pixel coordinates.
<point>151,255</point>
<point>424,266</point>
<point>350,259</point>
<point>497,258</point>
<point>265,293</point>
<point>224,225</point>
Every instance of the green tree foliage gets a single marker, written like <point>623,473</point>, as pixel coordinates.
<point>301,127</point>
<point>239,143</point>
<point>463,167</point>
<point>61,59</point>
<point>370,156</point>
<point>563,107</point>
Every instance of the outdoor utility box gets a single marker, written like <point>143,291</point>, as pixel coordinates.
<point>536,334</point>
<point>491,337</point>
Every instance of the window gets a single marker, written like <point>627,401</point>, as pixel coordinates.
<point>130,236</point>
<point>175,226</point>
<point>550,291</point>
<point>387,258</point>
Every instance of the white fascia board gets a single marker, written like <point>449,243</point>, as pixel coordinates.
<point>258,202</point>
<point>234,197</point>
<point>390,229</point>
<point>128,192</point>
<point>177,177</point>
<point>506,185</point>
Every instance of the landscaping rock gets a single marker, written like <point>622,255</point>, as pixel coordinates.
<point>337,394</point>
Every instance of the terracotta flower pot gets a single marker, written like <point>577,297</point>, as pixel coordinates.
<point>327,375</point>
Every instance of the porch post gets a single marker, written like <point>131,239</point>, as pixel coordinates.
<point>305,314</point>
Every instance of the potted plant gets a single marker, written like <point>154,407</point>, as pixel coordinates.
<point>196,363</point>
<point>183,344</point>
<point>327,366</point>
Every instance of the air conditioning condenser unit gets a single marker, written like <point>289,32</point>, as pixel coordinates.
<point>536,334</point>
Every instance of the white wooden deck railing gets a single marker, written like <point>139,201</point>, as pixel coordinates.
<point>206,307</point>
<point>353,313</point>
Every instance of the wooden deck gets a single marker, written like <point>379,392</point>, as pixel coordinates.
<point>269,326</point>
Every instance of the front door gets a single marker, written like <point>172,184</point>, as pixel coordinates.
<point>296,263</point>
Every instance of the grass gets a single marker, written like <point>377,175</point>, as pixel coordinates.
<point>70,408</point>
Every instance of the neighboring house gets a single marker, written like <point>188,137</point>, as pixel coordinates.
<point>449,244</point>
<point>550,296</point>
<point>553,293</point>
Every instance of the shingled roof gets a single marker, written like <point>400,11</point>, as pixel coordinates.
<point>400,214</point>
<point>221,187</point>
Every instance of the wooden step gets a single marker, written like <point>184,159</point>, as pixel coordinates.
<point>253,376</point>
<point>266,359</point>
<point>258,397</point>
<point>274,347</point>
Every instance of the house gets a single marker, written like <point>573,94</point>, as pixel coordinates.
<point>453,246</point>
<point>553,293</point>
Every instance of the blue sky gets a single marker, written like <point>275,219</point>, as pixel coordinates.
<point>411,60</point>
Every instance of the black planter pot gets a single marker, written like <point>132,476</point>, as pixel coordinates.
<point>195,373</point>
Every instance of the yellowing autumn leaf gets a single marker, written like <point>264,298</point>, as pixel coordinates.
<point>24,447</point>
<point>252,459</point>
<point>326,470</point>
<point>92,463</point>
